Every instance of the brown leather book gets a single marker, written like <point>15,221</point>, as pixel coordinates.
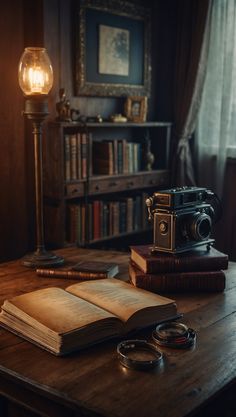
<point>195,260</point>
<point>176,282</point>
<point>82,270</point>
<point>103,158</point>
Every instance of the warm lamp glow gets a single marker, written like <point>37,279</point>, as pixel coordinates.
<point>35,72</point>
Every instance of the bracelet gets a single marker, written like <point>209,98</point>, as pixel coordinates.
<point>175,335</point>
<point>130,346</point>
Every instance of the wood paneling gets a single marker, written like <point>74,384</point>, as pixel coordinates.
<point>12,143</point>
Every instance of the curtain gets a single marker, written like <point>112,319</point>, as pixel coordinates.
<point>192,47</point>
<point>216,127</point>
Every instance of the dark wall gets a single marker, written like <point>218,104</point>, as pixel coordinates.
<point>60,21</point>
<point>51,24</point>
<point>13,218</point>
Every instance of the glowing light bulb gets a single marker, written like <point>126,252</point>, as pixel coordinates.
<point>35,72</point>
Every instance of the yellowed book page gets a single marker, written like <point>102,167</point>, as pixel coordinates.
<point>118,297</point>
<point>56,309</point>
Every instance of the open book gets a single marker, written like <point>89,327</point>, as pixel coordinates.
<point>88,312</point>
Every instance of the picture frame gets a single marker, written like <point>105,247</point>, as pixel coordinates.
<point>136,109</point>
<point>112,49</point>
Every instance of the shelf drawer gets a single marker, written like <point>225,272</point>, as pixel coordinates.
<point>115,184</point>
<point>74,190</point>
<point>156,179</point>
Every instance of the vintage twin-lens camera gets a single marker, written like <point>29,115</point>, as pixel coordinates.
<point>182,218</point>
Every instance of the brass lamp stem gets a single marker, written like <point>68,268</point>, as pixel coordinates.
<point>36,109</point>
<point>37,132</point>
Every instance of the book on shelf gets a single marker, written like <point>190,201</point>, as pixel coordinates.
<point>79,157</point>
<point>195,281</point>
<point>73,157</point>
<point>67,164</point>
<point>62,321</point>
<point>199,259</point>
<point>83,141</point>
<point>96,219</point>
<point>103,162</point>
<point>115,156</point>
<point>82,270</point>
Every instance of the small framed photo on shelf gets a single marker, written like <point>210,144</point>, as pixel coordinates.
<point>136,109</point>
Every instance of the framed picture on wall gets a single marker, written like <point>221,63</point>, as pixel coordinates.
<point>112,54</point>
<point>136,109</point>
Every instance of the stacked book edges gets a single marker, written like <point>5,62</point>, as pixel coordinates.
<point>200,270</point>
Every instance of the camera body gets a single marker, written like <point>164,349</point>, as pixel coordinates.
<point>182,219</point>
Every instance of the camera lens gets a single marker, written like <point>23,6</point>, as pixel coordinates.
<point>201,226</point>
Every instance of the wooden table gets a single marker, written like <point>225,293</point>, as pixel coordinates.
<point>195,382</point>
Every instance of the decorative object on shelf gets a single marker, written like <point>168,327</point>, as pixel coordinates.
<point>149,156</point>
<point>113,49</point>
<point>75,116</point>
<point>94,119</point>
<point>36,79</point>
<point>63,107</point>
<point>136,109</point>
<point>118,118</point>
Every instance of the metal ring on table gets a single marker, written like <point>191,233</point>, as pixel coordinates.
<point>175,335</point>
<point>127,346</point>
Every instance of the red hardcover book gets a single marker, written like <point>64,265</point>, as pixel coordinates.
<point>200,281</point>
<point>195,260</point>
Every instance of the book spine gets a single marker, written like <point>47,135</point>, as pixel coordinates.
<point>96,219</point>
<point>78,140</point>
<point>125,159</point>
<point>201,260</point>
<point>115,156</point>
<point>212,281</point>
<point>116,218</point>
<point>122,216</point>
<point>73,153</point>
<point>105,220</point>
<point>103,163</point>
<point>67,157</point>
<point>129,214</point>
<point>120,157</point>
<point>175,264</point>
<point>83,155</point>
<point>53,273</point>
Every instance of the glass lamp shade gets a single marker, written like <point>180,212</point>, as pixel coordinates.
<point>35,72</point>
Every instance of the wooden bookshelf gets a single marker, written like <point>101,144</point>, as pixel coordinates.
<point>63,191</point>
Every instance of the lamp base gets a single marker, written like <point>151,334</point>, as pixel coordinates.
<point>42,259</point>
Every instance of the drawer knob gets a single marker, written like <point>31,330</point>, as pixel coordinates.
<point>130,184</point>
<point>97,187</point>
<point>113,184</point>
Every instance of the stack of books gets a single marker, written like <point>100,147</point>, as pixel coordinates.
<point>199,270</point>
